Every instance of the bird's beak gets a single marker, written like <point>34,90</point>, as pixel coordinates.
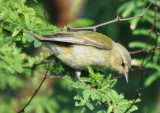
<point>126,75</point>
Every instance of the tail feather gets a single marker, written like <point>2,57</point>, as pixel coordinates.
<point>37,36</point>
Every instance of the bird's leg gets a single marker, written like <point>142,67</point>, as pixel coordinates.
<point>78,75</point>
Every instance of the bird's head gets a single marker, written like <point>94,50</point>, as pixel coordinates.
<point>121,60</point>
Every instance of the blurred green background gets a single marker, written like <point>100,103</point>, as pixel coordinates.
<point>56,96</point>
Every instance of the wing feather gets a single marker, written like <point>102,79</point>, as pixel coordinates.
<point>88,38</point>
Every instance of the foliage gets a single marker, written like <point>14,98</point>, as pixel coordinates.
<point>132,7</point>
<point>14,60</point>
<point>100,90</point>
<point>145,40</point>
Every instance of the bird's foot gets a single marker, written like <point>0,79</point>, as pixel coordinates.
<point>78,75</point>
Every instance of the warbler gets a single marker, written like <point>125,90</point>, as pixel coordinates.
<point>87,48</point>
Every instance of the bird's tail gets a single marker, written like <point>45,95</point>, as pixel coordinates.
<point>37,36</point>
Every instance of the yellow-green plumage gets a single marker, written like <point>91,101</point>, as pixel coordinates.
<point>87,48</point>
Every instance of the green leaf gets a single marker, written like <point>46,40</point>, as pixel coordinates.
<point>65,29</point>
<point>128,10</point>
<point>86,95</point>
<point>90,106</point>
<point>39,109</point>
<point>144,32</point>
<point>79,84</point>
<point>138,100</point>
<point>85,79</point>
<point>37,43</point>
<point>30,38</point>
<point>112,94</point>
<point>91,73</point>
<point>95,95</point>
<point>138,44</point>
<point>134,23</point>
<point>31,61</point>
<point>77,97</point>
<point>149,80</point>
<point>16,31</point>
<point>123,7</point>
<point>83,110</point>
<point>77,104</point>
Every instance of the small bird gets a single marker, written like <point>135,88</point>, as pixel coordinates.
<point>87,48</point>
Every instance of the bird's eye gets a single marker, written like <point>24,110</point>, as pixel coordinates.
<point>123,64</point>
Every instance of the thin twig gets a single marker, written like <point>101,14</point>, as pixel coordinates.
<point>35,65</point>
<point>118,19</point>
<point>118,77</point>
<point>36,91</point>
<point>104,105</point>
<point>144,50</point>
<point>52,77</point>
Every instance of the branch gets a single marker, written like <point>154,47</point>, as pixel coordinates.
<point>35,65</point>
<point>52,77</point>
<point>104,105</point>
<point>36,91</point>
<point>144,50</point>
<point>118,19</point>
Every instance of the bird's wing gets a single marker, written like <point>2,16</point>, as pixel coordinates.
<point>97,38</point>
<point>89,38</point>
